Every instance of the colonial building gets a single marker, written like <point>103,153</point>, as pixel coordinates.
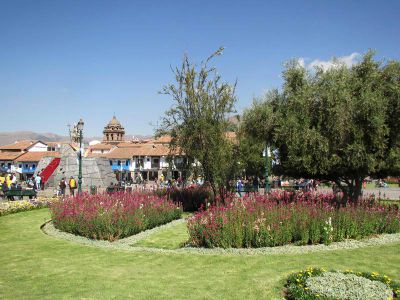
<point>132,158</point>
<point>23,157</point>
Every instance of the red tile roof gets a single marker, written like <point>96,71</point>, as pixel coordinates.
<point>139,150</point>
<point>165,139</point>
<point>101,146</point>
<point>36,156</point>
<point>21,145</point>
<point>9,155</point>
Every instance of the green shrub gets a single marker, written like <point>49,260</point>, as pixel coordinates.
<point>316,283</point>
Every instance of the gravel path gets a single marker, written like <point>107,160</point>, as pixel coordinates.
<point>126,244</point>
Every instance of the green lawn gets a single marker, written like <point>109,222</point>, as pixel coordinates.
<point>372,185</point>
<point>36,266</point>
<point>169,238</point>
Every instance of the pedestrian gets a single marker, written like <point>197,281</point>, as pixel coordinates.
<point>38,181</point>
<point>239,187</point>
<point>255,184</point>
<point>5,188</point>
<point>14,179</point>
<point>62,185</point>
<point>72,186</point>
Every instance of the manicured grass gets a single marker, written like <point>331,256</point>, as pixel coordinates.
<point>372,185</point>
<point>169,238</point>
<point>36,266</point>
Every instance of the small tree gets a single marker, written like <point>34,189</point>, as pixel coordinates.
<point>197,122</point>
<point>340,124</point>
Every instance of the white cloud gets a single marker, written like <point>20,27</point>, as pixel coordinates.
<point>348,61</point>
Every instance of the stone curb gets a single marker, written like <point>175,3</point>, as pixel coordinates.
<point>127,243</point>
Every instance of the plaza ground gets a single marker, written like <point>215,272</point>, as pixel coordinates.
<point>37,266</point>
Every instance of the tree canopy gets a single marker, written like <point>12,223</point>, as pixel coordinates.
<point>340,124</point>
<point>198,119</point>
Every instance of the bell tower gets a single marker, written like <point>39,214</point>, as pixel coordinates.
<point>114,132</point>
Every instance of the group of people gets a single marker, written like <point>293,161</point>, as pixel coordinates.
<point>10,182</point>
<point>62,186</point>
<point>247,185</point>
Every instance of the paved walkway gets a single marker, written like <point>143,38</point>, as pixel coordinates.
<point>383,193</point>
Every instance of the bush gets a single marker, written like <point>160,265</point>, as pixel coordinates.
<point>308,218</point>
<point>109,217</point>
<point>192,198</point>
<point>315,283</point>
<point>10,207</point>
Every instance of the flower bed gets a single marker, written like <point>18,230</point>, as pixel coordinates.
<point>110,217</point>
<point>10,207</point>
<point>308,218</point>
<point>315,283</point>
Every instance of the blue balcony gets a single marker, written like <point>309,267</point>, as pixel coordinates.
<point>119,168</point>
<point>5,169</point>
<point>29,169</point>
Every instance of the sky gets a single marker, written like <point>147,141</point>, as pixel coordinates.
<point>65,60</point>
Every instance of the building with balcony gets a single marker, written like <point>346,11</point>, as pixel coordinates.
<point>26,164</point>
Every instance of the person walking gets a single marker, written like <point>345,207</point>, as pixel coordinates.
<point>38,181</point>
<point>62,186</point>
<point>72,186</point>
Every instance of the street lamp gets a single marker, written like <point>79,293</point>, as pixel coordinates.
<point>120,176</point>
<point>79,127</point>
<point>267,187</point>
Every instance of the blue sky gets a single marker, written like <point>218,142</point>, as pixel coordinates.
<point>62,60</point>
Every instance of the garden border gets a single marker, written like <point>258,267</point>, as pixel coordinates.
<point>128,243</point>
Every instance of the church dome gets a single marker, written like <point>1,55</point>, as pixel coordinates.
<point>114,122</point>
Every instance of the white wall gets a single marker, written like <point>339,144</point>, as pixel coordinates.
<point>38,147</point>
<point>147,162</point>
<point>163,162</point>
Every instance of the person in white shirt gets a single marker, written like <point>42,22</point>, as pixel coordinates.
<point>38,180</point>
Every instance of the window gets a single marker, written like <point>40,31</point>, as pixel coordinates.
<point>33,166</point>
<point>110,162</point>
<point>156,160</point>
<point>148,159</point>
<point>119,163</point>
<point>26,166</point>
<point>19,166</point>
<point>127,163</point>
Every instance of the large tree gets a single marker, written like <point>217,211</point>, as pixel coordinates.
<point>340,124</point>
<point>198,119</point>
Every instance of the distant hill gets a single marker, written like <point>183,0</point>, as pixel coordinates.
<point>10,137</point>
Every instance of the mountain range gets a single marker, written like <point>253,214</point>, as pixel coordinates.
<point>11,137</point>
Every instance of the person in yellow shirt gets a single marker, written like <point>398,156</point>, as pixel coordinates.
<point>9,180</point>
<point>2,179</point>
<point>72,186</point>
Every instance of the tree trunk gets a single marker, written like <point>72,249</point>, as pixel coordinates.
<point>352,192</point>
<point>357,190</point>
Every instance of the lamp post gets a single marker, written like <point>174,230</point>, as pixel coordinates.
<point>120,176</point>
<point>80,130</point>
<point>267,186</point>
